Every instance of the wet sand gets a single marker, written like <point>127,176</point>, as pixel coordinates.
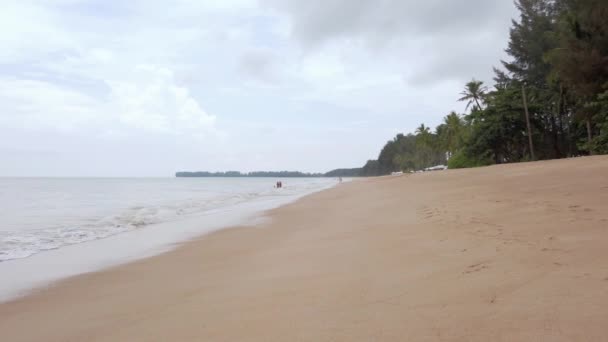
<point>503,253</point>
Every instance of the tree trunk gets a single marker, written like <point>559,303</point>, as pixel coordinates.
<point>589,135</point>
<point>560,116</point>
<point>555,135</point>
<point>530,142</point>
<point>477,102</point>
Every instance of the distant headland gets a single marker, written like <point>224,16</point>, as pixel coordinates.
<point>356,172</point>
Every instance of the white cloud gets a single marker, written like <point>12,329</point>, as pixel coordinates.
<point>150,99</point>
<point>216,5</point>
<point>147,99</point>
<point>63,78</point>
<point>28,30</point>
<point>323,67</point>
<point>37,104</point>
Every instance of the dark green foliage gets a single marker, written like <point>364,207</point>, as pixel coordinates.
<point>411,152</point>
<point>530,39</point>
<point>371,168</point>
<point>452,133</point>
<point>581,63</point>
<point>498,131</point>
<point>344,173</point>
<point>461,160</point>
<point>474,94</point>
<point>599,143</point>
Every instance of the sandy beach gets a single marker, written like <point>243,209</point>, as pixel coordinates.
<point>502,253</point>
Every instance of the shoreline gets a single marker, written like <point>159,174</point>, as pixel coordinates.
<point>511,252</point>
<point>41,270</point>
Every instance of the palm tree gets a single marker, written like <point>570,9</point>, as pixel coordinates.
<point>423,130</point>
<point>424,144</point>
<point>452,132</point>
<point>474,92</point>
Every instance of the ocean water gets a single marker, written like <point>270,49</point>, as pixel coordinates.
<point>56,227</point>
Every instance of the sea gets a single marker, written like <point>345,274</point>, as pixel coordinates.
<point>53,228</point>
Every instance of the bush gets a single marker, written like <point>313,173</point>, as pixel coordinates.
<point>460,160</point>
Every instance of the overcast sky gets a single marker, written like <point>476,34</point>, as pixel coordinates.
<point>147,88</point>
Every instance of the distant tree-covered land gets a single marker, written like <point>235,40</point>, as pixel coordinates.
<point>275,174</point>
<point>344,173</point>
<point>549,99</point>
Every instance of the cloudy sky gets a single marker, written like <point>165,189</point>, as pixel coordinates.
<point>147,87</point>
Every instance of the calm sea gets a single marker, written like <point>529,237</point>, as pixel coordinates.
<point>39,214</point>
<point>74,225</point>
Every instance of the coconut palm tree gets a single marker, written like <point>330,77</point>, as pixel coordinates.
<point>451,134</point>
<point>424,144</point>
<point>474,92</point>
<point>423,130</point>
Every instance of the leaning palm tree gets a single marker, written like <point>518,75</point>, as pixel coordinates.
<point>474,92</point>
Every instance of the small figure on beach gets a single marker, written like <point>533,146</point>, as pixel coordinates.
<point>279,185</point>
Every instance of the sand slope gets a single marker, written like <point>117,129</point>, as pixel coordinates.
<point>504,253</point>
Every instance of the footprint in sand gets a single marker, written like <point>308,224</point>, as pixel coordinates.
<point>476,268</point>
<point>576,207</point>
<point>430,212</point>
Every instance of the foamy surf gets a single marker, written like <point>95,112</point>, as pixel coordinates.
<point>120,220</point>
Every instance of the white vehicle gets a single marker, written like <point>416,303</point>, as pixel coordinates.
<point>436,168</point>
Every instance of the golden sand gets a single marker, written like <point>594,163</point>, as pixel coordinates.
<point>503,253</point>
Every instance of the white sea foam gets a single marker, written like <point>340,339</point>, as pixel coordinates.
<point>53,228</point>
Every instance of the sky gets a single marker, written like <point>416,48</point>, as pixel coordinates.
<point>148,87</point>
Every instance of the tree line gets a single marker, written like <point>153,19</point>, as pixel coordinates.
<point>273,174</point>
<point>254,174</point>
<point>549,100</point>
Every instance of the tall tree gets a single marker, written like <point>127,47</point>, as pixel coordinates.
<point>450,133</point>
<point>474,92</point>
<point>499,134</point>
<point>529,42</point>
<point>531,38</point>
<point>581,59</point>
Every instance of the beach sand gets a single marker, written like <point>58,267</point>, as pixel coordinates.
<point>502,253</point>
